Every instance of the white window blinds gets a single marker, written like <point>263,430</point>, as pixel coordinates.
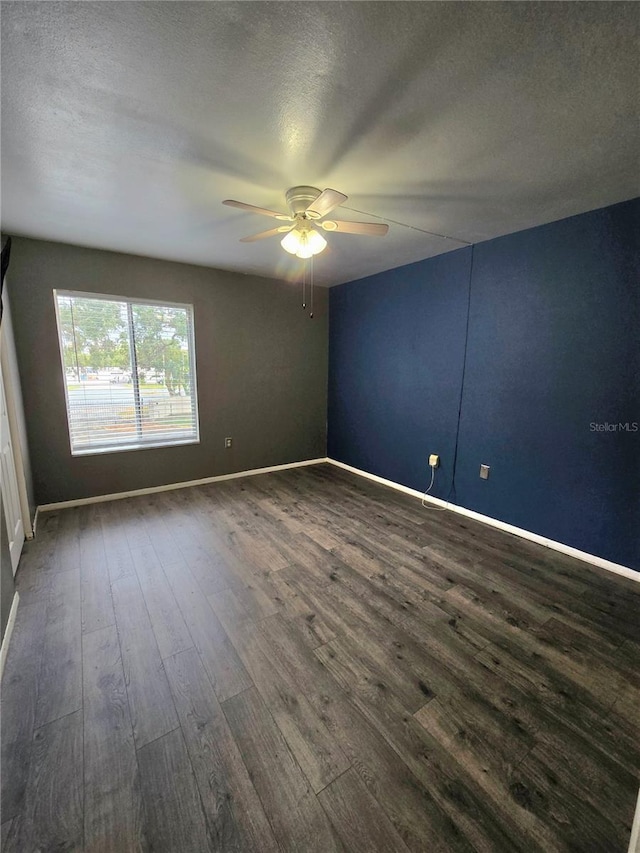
<point>129,372</point>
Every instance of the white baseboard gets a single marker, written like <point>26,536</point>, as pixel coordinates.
<point>634,842</point>
<point>11,621</point>
<point>501,525</point>
<point>171,486</point>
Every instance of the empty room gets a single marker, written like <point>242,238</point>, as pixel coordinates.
<point>320,372</point>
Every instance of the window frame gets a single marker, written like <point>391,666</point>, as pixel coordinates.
<point>130,300</point>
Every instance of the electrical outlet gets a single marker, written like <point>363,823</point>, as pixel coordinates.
<point>227,442</point>
<point>484,472</point>
<point>434,460</point>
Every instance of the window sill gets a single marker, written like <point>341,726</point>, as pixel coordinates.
<point>100,451</point>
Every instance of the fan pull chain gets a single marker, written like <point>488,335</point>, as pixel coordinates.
<point>304,285</point>
<point>307,263</point>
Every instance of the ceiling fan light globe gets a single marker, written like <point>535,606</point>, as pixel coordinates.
<point>291,242</point>
<point>316,242</point>
<point>304,251</point>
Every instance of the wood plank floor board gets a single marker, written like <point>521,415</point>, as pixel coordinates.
<point>541,609</point>
<point>315,749</point>
<point>159,520</point>
<point>368,493</point>
<point>410,611</point>
<point>250,582</point>
<point>38,562</point>
<point>469,795</point>
<point>197,546</point>
<point>235,814</point>
<point>557,696</point>
<point>570,640</point>
<point>52,816</point>
<point>554,643</point>
<point>434,662</point>
<point>410,807</point>
<point>620,609</point>
<point>256,548</point>
<point>32,585</point>
<point>19,702</point>
<point>259,596</point>
<point>384,589</point>
<point>224,667</point>
<point>589,771</point>
<point>378,532</point>
<point>315,559</point>
<point>484,580</point>
<point>531,573</point>
<point>298,820</point>
<point>60,678</point>
<point>5,828</point>
<point>113,813</point>
<point>132,521</point>
<point>244,572</point>
<point>349,616</point>
<point>486,733</point>
<point>308,660</point>
<point>358,818</point>
<point>540,792</point>
<point>67,552</point>
<point>278,504</point>
<point>150,702</point>
<point>273,527</point>
<point>175,817</point>
<point>299,506</point>
<point>97,606</point>
<point>491,603</point>
<point>314,629</point>
<point>172,635</point>
<point>206,565</point>
<point>625,711</point>
<point>402,656</point>
<point>118,555</point>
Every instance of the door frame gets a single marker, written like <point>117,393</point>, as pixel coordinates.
<point>10,402</point>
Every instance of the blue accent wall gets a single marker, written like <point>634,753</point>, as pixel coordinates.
<point>553,347</point>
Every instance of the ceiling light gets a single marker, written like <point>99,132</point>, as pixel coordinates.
<point>291,242</point>
<point>303,242</point>
<point>316,242</point>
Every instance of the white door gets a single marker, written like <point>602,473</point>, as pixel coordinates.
<point>10,493</point>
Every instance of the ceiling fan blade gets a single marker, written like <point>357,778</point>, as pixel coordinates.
<point>253,209</point>
<point>367,229</point>
<point>271,233</point>
<point>326,201</point>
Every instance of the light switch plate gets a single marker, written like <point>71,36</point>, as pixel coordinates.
<point>484,472</point>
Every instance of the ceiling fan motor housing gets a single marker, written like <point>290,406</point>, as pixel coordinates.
<point>299,199</point>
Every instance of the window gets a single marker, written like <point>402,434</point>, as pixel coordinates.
<point>129,372</point>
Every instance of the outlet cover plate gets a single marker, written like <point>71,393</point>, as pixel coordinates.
<point>484,472</point>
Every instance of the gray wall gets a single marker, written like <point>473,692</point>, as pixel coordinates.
<point>261,369</point>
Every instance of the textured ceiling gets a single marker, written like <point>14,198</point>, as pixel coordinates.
<point>124,125</point>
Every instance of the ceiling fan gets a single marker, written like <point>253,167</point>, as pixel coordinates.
<point>307,208</point>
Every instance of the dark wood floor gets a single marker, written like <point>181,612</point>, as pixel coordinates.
<point>305,661</point>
